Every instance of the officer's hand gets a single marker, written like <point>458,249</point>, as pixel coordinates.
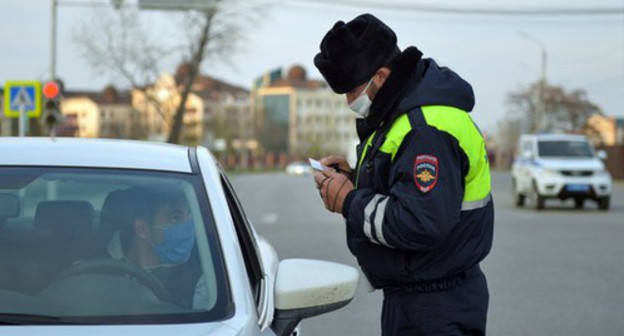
<point>333,188</point>
<point>339,162</point>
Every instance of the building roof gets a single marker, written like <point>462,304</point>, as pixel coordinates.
<point>205,86</point>
<point>211,88</point>
<point>110,95</point>
<point>296,77</point>
<point>308,84</point>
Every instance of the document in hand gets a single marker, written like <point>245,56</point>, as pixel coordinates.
<point>316,165</point>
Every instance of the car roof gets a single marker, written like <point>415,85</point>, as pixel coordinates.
<point>106,153</point>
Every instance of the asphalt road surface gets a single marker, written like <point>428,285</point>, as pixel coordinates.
<point>559,271</point>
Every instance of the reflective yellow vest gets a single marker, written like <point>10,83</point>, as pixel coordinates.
<point>459,125</point>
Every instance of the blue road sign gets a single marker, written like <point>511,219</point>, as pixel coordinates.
<point>22,96</point>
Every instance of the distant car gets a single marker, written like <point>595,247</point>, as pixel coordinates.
<point>560,166</point>
<point>62,203</point>
<point>298,168</point>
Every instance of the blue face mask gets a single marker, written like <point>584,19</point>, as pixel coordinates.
<point>177,244</point>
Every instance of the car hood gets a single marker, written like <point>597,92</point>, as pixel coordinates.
<point>571,164</point>
<point>199,329</point>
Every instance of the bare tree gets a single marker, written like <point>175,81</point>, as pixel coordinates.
<point>114,43</point>
<point>509,131</point>
<point>118,42</point>
<point>561,110</point>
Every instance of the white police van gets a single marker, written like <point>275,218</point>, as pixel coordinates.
<point>561,166</point>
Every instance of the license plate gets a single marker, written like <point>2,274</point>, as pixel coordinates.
<point>577,187</point>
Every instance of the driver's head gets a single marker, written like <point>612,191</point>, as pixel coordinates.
<point>162,228</point>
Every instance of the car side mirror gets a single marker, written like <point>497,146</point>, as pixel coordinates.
<point>306,288</point>
<point>601,154</point>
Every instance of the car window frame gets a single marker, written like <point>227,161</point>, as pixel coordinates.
<point>570,143</point>
<point>245,233</point>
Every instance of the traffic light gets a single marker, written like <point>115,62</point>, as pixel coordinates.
<point>52,115</point>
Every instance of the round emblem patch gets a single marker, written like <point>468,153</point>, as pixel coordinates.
<point>426,172</point>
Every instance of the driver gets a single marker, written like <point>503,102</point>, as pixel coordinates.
<point>159,237</point>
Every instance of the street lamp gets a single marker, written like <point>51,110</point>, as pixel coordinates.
<point>53,41</point>
<point>55,3</point>
<point>542,86</point>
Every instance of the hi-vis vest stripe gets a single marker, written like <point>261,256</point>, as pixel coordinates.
<point>395,136</point>
<point>459,125</point>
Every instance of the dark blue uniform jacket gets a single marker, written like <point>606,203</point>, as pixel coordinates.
<point>422,209</point>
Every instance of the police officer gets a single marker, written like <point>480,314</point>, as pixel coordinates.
<point>418,208</point>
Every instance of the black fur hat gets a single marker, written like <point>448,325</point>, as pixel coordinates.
<point>352,52</point>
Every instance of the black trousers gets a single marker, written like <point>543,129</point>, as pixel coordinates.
<point>461,310</point>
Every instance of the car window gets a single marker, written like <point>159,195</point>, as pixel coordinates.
<point>563,148</point>
<point>108,246</point>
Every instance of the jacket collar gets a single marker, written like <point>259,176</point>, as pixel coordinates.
<point>383,110</point>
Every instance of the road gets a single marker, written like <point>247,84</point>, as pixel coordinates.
<point>558,271</point>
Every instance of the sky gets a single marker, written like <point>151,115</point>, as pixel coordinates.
<point>495,53</point>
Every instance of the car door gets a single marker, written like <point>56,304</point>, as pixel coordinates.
<point>258,269</point>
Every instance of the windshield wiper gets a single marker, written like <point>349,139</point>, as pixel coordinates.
<point>22,319</point>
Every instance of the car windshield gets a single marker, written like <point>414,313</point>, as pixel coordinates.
<point>564,148</point>
<point>107,246</point>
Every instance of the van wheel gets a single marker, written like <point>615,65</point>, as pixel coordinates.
<point>603,203</point>
<point>578,203</point>
<point>518,197</point>
<point>520,200</point>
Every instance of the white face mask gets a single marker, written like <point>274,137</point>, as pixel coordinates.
<point>361,105</point>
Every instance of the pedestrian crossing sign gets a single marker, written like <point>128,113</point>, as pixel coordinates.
<point>22,96</point>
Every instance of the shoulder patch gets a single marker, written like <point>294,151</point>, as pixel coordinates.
<point>426,171</point>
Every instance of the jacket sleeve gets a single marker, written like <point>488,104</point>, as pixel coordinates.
<point>426,180</point>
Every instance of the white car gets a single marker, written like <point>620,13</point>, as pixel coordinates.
<point>560,166</point>
<point>298,169</point>
<point>73,214</point>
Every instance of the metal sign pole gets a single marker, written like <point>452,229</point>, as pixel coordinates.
<point>22,117</point>
<point>53,131</point>
<point>53,41</point>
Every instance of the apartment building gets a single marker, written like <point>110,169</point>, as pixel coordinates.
<point>605,130</point>
<point>105,114</point>
<point>227,119</point>
<point>214,110</point>
<point>157,105</point>
<point>301,117</point>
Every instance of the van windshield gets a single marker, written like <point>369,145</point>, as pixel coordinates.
<point>565,148</point>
